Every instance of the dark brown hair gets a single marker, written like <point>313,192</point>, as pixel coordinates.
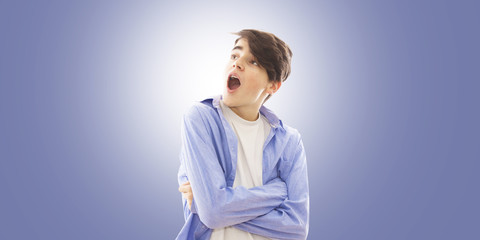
<point>271,53</point>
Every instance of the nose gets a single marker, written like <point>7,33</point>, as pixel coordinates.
<point>238,65</point>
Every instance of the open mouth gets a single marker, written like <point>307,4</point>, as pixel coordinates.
<point>233,82</point>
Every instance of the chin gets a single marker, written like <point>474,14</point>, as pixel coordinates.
<point>227,100</point>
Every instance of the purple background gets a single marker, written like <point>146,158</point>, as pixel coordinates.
<point>385,96</point>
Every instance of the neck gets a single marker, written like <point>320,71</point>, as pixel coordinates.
<point>247,113</point>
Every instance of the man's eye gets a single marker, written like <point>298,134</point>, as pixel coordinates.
<point>254,63</point>
<point>233,56</point>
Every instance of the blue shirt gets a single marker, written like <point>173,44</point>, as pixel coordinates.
<point>279,209</point>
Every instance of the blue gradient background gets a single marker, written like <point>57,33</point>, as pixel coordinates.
<point>384,93</point>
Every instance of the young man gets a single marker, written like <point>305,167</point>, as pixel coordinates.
<point>243,173</point>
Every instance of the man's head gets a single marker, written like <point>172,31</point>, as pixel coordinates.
<point>258,65</point>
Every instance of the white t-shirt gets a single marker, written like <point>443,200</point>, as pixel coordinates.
<point>251,137</point>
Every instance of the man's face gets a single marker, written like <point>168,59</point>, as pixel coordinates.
<point>246,83</point>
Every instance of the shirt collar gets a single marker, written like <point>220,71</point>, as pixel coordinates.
<point>274,121</point>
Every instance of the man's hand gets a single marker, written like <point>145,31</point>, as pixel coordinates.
<point>187,193</point>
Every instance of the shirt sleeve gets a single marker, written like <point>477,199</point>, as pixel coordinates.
<point>290,219</point>
<point>216,204</point>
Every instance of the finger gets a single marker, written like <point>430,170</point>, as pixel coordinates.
<point>186,188</point>
<point>182,188</point>
<point>185,184</point>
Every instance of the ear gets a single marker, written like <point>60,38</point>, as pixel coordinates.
<point>274,86</point>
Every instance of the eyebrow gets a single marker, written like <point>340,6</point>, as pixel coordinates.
<point>238,47</point>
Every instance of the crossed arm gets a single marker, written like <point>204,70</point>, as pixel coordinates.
<point>265,210</point>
